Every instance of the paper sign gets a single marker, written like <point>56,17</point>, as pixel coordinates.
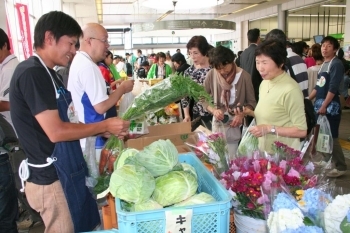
<point>178,221</point>
<point>323,143</point>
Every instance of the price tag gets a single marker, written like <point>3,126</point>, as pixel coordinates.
<point>138,127</point>
<point>323,143</point>
<point>178,221</point>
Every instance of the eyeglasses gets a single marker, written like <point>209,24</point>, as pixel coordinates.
<point>107,42</point>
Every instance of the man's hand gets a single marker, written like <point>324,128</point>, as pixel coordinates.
<point>127,86</point>
<point>237,121</point>
<point>322,110</point>
<point>259,130</point>
<point>117,126</point>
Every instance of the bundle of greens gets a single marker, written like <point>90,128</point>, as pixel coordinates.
<point>164,93</point>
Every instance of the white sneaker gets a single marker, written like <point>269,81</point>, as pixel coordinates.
<point>320,164</point>
<point>335,173</point>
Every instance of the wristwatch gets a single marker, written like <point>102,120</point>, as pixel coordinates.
<point>273,129</point>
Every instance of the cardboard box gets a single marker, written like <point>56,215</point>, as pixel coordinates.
<point>177,133</point>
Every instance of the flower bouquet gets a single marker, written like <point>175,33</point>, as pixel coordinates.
<point>212,149</point>
<point>250,180</point>
<point>287,217</point>
<point>337,215</point>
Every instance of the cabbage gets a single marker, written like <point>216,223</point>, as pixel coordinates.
<point>189,168</point>
<point>147,205</point>
<point>174,187</point>
<point>132,183</point>
<point>159,157</point>
<point>197,199</point>
<point>120,161</point>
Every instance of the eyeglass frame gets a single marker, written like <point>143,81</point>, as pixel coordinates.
<point>106,42</point>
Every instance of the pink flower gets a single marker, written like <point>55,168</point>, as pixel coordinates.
<point>283,165</point>
<point>263,199</point>
<point>250,206</point>
<point>294,173</point>
<point>256,165</point>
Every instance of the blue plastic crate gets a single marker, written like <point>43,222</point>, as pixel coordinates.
<point>105,231</point>
<point>207,218</point>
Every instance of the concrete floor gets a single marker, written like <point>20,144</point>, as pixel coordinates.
<point>343,182</point>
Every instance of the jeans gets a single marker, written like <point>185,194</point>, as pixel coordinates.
<point>8,197</point>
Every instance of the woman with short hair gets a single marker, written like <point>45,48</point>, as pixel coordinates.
<point>279,114</point>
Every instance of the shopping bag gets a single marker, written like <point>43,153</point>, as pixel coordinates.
<point>249,143</point>
<point>325,139</point>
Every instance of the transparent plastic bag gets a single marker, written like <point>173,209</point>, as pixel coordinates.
<point>90,157</point>
<point>325,139</point>
<point>153,99</point>
<point>249,143</point>
<point>112,148</point>
<point>125,102</point>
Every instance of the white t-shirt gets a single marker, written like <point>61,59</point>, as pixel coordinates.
<point>7,67</point>
<point>120,66</point>
<point>87,87</point>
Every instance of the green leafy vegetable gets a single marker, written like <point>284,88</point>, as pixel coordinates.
<point>150,204</point>
<point>197,199</point>
<point>132,183</point>
<point>189,168</point>
<point>129,152</point>
<point>174,187</point>
<point>102,183</point>
<point>159,157</point>
<point>164,93</point>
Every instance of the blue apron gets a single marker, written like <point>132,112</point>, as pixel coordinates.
<point>72,169</point>
<point>333,109</point>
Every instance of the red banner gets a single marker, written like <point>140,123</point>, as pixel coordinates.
<point>24,27</point>
<point>9,34</point>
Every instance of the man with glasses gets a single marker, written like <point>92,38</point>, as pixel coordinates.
<point>86,83</point>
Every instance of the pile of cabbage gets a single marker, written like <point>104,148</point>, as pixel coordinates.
<point>153,179</point>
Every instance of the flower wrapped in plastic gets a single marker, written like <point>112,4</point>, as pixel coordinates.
<point>212,149</point>
<point>164,93</point>
<point>313,202</point>
<point>253,180</point>
<point>287,217</point>
<point>337,215</point>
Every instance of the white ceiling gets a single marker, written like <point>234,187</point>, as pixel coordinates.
<point>120,13</point>
<point>124,12</point>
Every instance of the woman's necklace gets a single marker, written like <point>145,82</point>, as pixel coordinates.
<point>268,85</point>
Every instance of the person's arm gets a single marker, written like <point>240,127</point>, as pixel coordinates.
<point>168,70</point>
<point>187,117</point>
<point>323,108</point>
<point>292,132</point>
<point>151,71</point>
<point>312,94</point>
<point>4,106</point>
<point>124,87</point>
<point>59,131</point>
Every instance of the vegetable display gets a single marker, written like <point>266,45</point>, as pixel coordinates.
<point>132,183</point>
<point>154,178</point>
<point>174,187</point>
<point>164,93</point>
<point>159,157</point>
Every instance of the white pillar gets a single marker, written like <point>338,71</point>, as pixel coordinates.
<point>244,31</point>
<point>3,16</point>
<point>347,23</point>
<point>281,19</point>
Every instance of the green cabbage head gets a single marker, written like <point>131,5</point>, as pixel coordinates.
<point>132,183</point>
<point>159,157</point>
<point>197,199</point>
<point>174,187</point>
<point>147,205</point>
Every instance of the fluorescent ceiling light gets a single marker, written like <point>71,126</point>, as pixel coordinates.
<point>333,5</point>
<point>245,8</point>
<point>164,15</point>
<point>180,4</point>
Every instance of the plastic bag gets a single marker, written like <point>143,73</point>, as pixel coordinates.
<point>325,139</point>
<point>249,143</point>
<point>125,102</point>
<point>113,147</point>
<point>90,157</point>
